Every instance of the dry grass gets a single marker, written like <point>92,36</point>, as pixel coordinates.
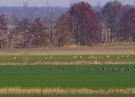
<point>113,49</point>
<point>65,91</point>
<point>83,62</point>
<point>69,63</point>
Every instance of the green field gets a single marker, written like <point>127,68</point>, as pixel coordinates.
<point>84,76</point>
<point>78,75</point>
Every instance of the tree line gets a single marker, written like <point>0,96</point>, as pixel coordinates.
<point>80,25</point>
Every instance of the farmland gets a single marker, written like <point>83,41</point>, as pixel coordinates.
<point>85,76</point>
<point>66,59</point>
<point>78,75</point>
<point>69,77</point>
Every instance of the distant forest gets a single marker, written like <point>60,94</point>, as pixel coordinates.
<point>80,25</point>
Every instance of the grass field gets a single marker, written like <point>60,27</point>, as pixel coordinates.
<point>66,59</point>
<point>67,73</point>
<point>67,77</point>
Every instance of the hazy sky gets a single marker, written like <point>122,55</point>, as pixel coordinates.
<point>63,3</point>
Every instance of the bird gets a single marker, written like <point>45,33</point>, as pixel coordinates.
<point>50,68</point>
<point>114,69</point>
<point>128,69</point>
<point>76,67</point>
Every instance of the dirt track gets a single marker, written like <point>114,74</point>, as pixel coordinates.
<point>97,50</point>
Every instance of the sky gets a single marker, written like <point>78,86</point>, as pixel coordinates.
<point>53,3</point>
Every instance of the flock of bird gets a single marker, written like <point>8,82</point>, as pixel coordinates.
<point>98,69</point>
<point>92,57</point>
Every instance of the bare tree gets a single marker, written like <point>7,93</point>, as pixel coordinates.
<point>40,35</point>
<point>50,22</point>
<point>82,24</point>
<point>110,17</point>
<point>3,32</point>
<point>127,25</point>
